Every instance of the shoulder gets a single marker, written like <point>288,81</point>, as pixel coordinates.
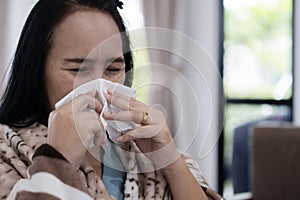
<point>3,127</point>
<point>8,173</point>
<point>4,140</point>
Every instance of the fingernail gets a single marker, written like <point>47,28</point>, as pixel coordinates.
<point>108,113</point>
<point>98,109</point>
<point>109,91</point>
<point>107,95</point>
<point>120,139</point>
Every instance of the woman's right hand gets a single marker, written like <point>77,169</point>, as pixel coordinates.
<point>71,127</point>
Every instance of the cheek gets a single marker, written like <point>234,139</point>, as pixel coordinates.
<point>57,87</point>
<point>121,79</point>
<point>117,78</point>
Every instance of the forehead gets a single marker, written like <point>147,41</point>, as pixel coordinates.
<point>82,31</point>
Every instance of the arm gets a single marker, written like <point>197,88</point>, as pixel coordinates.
<point>154,139</point>
<point>51,177</point>
<point>54,173</point>
<point>8,177</point>
<point>196,173</point>
<point>182,183</point>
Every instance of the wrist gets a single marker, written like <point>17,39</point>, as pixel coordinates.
<point>176,167</point>
<point>166,157</point>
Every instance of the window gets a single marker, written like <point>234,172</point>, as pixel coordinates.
<point>134,21</point>
<point>257,71</point>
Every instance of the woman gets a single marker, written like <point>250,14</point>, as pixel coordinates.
<point>43,150</point>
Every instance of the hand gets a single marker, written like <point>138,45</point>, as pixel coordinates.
<point>153,138</point>
<point>71,127</point>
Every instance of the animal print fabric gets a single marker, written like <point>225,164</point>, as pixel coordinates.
<point>18,160</point>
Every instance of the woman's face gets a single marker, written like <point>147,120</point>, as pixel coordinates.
<point>74,59</point>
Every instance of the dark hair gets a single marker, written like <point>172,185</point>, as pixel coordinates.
<point>24,99</point>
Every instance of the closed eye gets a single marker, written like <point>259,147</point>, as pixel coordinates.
<point>113,69</point>
<point>80,69</point>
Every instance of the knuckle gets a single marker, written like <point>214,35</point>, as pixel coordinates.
<point>53,114</point>
<point>84,97</point>
<point>157,113</point>
<point>133,104</point>
<point>135,115</point>
<point>81,96</point>
<point>58,114</point>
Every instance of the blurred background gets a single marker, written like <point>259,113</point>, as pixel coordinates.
<point>251,45</point>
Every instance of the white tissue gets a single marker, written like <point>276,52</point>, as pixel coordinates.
<point>113,127</point>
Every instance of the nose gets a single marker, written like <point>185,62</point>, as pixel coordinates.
<point>97,73</point>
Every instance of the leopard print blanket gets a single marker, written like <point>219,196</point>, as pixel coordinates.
<point>17,147</point>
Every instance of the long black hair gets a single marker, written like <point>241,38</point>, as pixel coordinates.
<point>23,102</point>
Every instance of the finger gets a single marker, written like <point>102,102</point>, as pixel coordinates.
<point>123,102</point>
<point>100,138</point>
<point>140,133</point>
<point>91,180</point>
<point>147,117</point>
<point>86,101</point>
<point>116,100</point>
<point>88,124</point>
<point>95,156</point>
<point>89,119</point>
<point>134,116</point>
<point>118,94</point>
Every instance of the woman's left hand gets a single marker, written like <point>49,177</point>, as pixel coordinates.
<point>153,137</point>
<point>155,140</point>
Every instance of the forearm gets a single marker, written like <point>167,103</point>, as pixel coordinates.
<point>182,183</point>
<point>51,177</point>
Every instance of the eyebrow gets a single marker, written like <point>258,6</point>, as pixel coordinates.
<point>116,60</point>
<point>87,60</point>
<point>80,60</point>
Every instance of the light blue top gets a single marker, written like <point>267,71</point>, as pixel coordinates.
<point>113,172</point>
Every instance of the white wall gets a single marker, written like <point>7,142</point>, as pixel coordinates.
<point>186,82</point>
<point>201,22</point>
<point>3,36</point>
<point>13,14</point>
<point>296,110</point>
